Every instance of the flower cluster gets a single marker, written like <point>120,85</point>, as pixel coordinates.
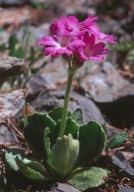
<point>82,41</point>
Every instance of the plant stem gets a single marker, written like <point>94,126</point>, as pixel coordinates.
<point>71,73</point>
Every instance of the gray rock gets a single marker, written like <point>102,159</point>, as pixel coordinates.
<point>104,84</point>
<point>119,160</point>
<point>10,66</point>
<point>112,94</point>
<point>7,135</point>
<point>125,189</point>
<point>44,96</point>
<point>11,105</point>
<point>12,2</point>
<point>64,187</point>
<point>52,98</point>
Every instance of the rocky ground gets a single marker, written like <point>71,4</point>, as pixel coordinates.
<point>29,81</point>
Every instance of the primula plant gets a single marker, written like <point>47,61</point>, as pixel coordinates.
<point>65,143</point>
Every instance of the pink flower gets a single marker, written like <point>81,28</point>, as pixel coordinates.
<point>70,24</point>
<point>61,40</point>
<point>90,21</point>
<point>101,36</point>
<point>91,50</point>
<point>82,40</point>
<point>90,25</point>
<point>56,45</point>
<point>59,45</point>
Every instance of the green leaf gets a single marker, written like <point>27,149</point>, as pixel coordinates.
<point>56,113</point>
<point>31,173</point>
<point>12,42</point>
<point>2,47</point>
<point>15,159</point>
<point>34,165</point>
<point>10,155</point>
<point>63,156</point>
<point>71,127</point>
<point>34,131</point>
<point>78,116</point>
<point>116,140</point>
<point>56,132</point>
<point>92,140</point>
<point>88,177</point>
<point>47,141</point>
<point>20,53</point>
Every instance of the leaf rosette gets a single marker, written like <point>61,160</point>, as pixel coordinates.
<point>63,156</point>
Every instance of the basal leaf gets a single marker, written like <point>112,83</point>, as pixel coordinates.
<point>29,172</point>
<point>20,53</point>
<point>16,160</point>
<point>55,133</point>
<point>71,127</point>
<point>88,177</point>
<point>10,155</point>
<point>47,141</point>
<point>116,140</point>
<point>63,156</point>
<point>56,113</point>
<point>92,140</point>
<point>34,131</point>
<point>12,42</point>
<point>78,116</point>
<point>34,165</point>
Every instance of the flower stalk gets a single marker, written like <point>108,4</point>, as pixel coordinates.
<point>77,42</point>
<point>71,73</point>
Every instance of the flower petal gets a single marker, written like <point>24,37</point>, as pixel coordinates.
<point>88,22</point>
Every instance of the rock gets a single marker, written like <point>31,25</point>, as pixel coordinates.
<point>12,2</point>
<point>120,112</point>
<point>56,71</point>
<point>99,82</point>
<point>52,98</point>
<point>11,105</point>
<point>119,160</point>
<point>43,95</point>
<point>64,187</point>
<point>49,99</point>
<point>51,77</point>
<point>18,16</point>
<point>10,66</point>
<point>36,85</point>
<point>57,8</point>
<point>113,95</point>
<point>4,36</point>
<point>125,189</point>
<point>7,135</point>
<point>104,84</point>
